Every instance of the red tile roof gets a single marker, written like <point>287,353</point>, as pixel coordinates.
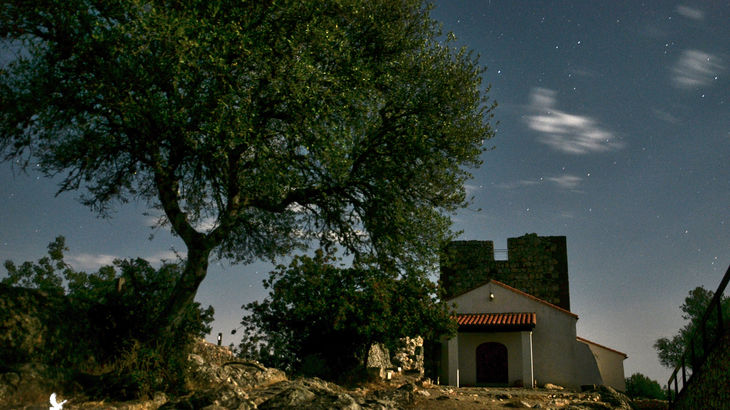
<point>496,321</point>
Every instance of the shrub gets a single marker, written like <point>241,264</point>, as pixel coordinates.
<point>640,386</point>
<point>320,319</point>
<point>104,336</point>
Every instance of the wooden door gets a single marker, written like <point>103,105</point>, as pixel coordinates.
<point>492,363</point>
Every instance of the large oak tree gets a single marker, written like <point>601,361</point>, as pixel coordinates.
<point>254,126</point>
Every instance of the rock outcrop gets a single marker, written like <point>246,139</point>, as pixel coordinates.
<point>212,366</point>
<point>220,381</point>
<point>446,397</point>
<point>378,360</point>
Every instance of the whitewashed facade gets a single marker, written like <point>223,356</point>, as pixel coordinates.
<point>520,340</point>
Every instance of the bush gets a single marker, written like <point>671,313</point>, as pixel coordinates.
<point>320,319</point>
<point>104,336</point>
<point>640,386</point>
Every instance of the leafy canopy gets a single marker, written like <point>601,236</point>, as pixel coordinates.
<point>671,350</point>
<point>254,126</point>
<point>320,319</point>
<point>640,386</point>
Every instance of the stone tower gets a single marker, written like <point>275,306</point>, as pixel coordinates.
<point>537,265</point>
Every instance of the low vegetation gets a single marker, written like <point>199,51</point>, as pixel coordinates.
<point>321,319</point>
<point>639,386</point>
<point>105,339</point>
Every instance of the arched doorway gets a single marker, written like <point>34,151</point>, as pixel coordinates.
<point>492,363</point>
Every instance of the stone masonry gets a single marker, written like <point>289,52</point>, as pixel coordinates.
<point>537,265</point>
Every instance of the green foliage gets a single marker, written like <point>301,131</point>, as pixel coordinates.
<point>640,386</point>
<point>670,351</point>
<point>320,319</point>
<point>47,274</point>
<point>107,325</point>
<point>344,120</point>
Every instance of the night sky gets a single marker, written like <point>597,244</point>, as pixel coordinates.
<point>614,131</point>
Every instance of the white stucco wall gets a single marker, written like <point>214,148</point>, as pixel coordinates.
<point>610,364</point>
<point>468,343</point>
<point>586,367</point>
<point>519,358</point>
<point>553,337</point>
<point>558,357</point>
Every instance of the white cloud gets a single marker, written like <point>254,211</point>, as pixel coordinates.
<point>665,116</point>
<point>695,68</point>
<point>690,12</point>
<point>563,181</point>
<point>565,132</point>
<point>585,72</point>
<point>206,225</point>
<point>168,256</point>
<point>516,184</point>
<point>472,190</point>
<point>566,181</point>
<point>89,262</point>
<point>155,219</point>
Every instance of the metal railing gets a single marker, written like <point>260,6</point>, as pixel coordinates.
<point>692,360</point>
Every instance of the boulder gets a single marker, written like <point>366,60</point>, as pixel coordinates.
<point>225,396</point>
<point>219,380</point>
<point>614,398</point>
<point>292,396</point>
<point>248,373</point>
<point>550,386</point>
<point>308,393</point>
<point>213,365</point>
<point>378,360</point>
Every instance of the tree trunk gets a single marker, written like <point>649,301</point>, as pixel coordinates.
<point>185,290</point>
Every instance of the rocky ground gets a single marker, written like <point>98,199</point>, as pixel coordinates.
<point>442,397</point>
<point>221,382</point>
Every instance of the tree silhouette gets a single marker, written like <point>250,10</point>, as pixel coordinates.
<point>255,127</point>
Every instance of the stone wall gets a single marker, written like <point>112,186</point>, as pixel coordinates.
<point>710,389</point>
<point>408,356</point>
<point>537,265</point>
